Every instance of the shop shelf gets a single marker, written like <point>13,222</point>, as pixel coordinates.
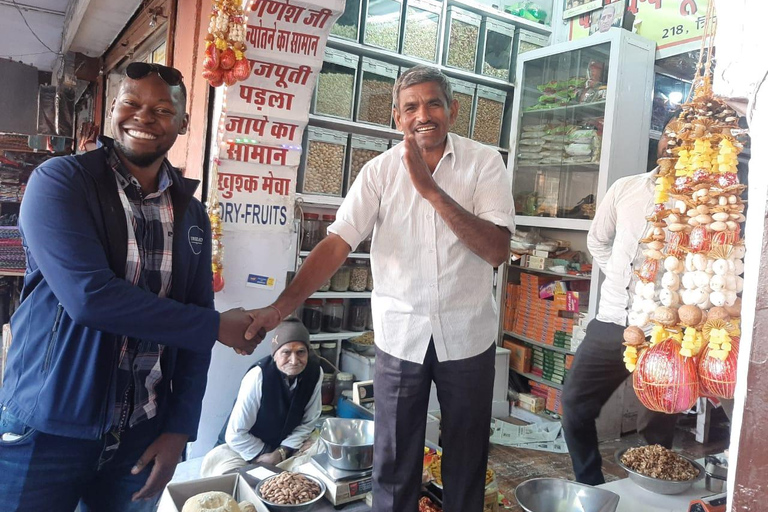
<point>591,167</point>
<point>502,16</point>
<point>319,200</point>
<point>352,255</point>
<point>538,379</point>
<point>595,108</point>
<point>405,61</point>
<point>11,273</point>
<point>538,343</point>
<point>549,272</point>
<point>331,336</point>
<point>340,295</point>
<point>553,222</point>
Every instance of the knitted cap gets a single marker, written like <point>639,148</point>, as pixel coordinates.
<point>291,329</point>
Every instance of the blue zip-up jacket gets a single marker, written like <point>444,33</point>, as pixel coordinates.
<point>76,304</point>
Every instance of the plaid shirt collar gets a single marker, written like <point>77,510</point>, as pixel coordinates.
<point>125,178</point>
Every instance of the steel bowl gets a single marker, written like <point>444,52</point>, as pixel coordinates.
<point>658,485</point>
<point>554,494</point>
<point>302,507</point>
<point>349,443</point>
<point>361,348</point>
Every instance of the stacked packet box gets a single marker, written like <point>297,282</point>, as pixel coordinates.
<point>513,293</point>
<point>538,318</point>
<point>554,401</point>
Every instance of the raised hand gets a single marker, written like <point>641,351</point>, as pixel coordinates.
<point>232,329</point>
<point>421,177</point>
<point>262,321</point>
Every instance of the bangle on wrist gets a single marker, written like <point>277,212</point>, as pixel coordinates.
<point>282,452</point>
<point>278,311</point>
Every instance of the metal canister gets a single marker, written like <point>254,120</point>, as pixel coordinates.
<point>716,469</point>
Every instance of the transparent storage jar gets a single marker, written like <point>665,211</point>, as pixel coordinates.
<point>464,94</point>
<point>310,231</point>
<point>325,221</point>
<point>348,24</point>
<point>324,162</point>
<point>365,246</point>
<point>463,37</point>
<point>369,320</point>
<point>335,91</point>
<point>312,315</point>
<point>363,150</point>
<point>314,348</point>
<point>369,280</point>
<point>489,114</point>
<point>375,98</point>
<point>497,54</point>
<point>325,286</point>
<point>333,315</point>
<point>422,25</point>
<point>527,41</point>
<point>382,24</point>
<point>340,280</point>
<point>358,313</point>
<point>344,382</point>
<point>358,275</point>
<point>328,352</point>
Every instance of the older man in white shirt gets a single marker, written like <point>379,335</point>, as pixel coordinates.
<point>441,212</point>
<point>598,369</point>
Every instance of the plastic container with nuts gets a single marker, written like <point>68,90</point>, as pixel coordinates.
<point>323,171</point>
<point>363,150</point>
<point>358,275</point>
<point>348,24</point>
<point>464,93</point>
<point>422,25</point>
<point>382,24</point>
<point>489,113</point>
<point>335,92</point>
<point>527,41</point>
<point>463,36</point>
<point>497,53</point>
<point>375,98</point>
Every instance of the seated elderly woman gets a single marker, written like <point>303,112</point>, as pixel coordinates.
<point>276,408</point>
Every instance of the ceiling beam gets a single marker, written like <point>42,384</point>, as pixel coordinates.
<point>34,8</point>
<point>75,12</point>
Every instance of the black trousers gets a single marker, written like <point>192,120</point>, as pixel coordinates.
<point>465,392</point>
<point>597,371</point>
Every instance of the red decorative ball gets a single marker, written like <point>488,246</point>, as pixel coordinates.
<point>665,381</point>
<point>727,179</point>
<point>699,240</point>
<point>718,378</point>
<point>218,282</point>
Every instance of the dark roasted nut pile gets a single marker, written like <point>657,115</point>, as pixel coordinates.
<point>290,489</point>
<point>658,462</point>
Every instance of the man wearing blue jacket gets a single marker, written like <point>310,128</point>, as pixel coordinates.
<point>112,339</point>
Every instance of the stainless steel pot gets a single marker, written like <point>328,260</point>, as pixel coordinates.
<point>349,443</point>
<point>551,494</point>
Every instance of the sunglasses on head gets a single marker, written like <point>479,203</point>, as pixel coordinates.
<point>138,70</point>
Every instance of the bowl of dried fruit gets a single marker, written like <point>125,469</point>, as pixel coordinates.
<point>290,492</point>
<point>363,344</point>
<point>659,470</point>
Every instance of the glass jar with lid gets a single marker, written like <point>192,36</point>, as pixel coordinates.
<point>325,221</point>
<point>340,280</point>
<point>464,94</point>
<point>333,315</point>
<point>358,277</point>
<point>328,353</point>
<point>358,311</point>
<point>327,389</point>
<point>369,320</point>
<point>312,315</point>
<point>365,246</point>
<point>310,231</point>
<point>348,25</point>
<point>497,53</point>
<point>422,28</point>
<point>325,287</point>
<point>382,24</point>
<point>314,348</point>
<point>344,382</point>
<point>369,281</point>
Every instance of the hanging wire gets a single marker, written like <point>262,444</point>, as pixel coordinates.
<point>21,13</point>
<point>707,45</point>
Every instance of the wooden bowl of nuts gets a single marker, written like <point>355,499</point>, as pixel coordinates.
<point>290,492</point>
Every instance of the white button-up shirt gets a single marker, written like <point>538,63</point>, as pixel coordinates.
<point>246,410</point>
<point>426,281</point>
<point>619,225</point>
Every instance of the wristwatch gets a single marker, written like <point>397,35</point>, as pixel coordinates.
<point>283,453</point>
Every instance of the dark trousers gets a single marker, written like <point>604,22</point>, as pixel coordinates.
<point>597,371</point>
<point>46,473</point>
<point>465,391</point>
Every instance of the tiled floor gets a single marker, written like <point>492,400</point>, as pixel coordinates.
<point>513,465</point>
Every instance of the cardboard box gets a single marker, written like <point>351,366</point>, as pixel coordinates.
<point>519,356</point>
<point>531,403</point>
<point>536,262</point>
<point>175,495</point>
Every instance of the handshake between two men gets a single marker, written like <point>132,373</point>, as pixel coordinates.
<point>243,330</point>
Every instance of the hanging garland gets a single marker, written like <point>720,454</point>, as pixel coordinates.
<point>695,246</point>
<point>225,61</point>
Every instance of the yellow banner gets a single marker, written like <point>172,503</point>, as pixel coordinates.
<point>668,22</point>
